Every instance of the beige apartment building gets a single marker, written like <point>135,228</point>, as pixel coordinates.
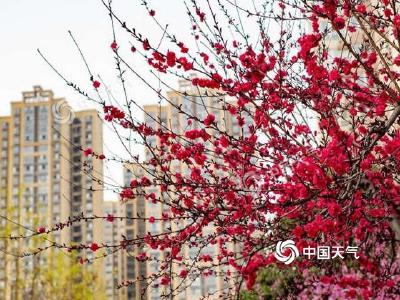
<point>112,236</point>
<point>44,179</point>
<point>130,269</point>
<point>197,103</point>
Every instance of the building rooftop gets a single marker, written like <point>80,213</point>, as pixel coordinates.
<point>37,95</point>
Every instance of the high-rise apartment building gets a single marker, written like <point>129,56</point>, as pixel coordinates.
<point>196,103</point>
<point>112,235</point>
<point>5,199</point>
<point>86,176</point>
<point>44,179</point>
<point>86,188</point>
<point>131,269</point>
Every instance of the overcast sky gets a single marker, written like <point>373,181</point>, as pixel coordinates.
<point>27,25</point>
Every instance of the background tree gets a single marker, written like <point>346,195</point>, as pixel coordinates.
<point>64,277</point>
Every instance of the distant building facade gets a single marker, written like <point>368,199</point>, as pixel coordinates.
<point>44,179</point>
<point>196,103</point>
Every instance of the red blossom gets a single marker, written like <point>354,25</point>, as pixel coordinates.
<point>110,218</point>
<point>145,181</point>
<point>388,12</point>
<point>187,66</point>
<point>361,8</point>
<point>209,120</point>
<point>142,257</point>
<point>146,45</point>
<point>308,42</point>
<point>94,247</point>
<point>218,47</point>
<point>114,45</point>
<point>96,84</point>
<point>201,15</point>
<point>88,151</point>
<point>112,112</point>
<point>334,209</point>
<point>377,212</point>
<point>41,230</point>
<point>396,21</point>
<point>224,142</point>
<point>184,49</point>
<point>205,57</point>
<point>183,273</point>
<point>126,194</point>
<point>397,60</point>
<point>171,59</point>
<point>165,280</point>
